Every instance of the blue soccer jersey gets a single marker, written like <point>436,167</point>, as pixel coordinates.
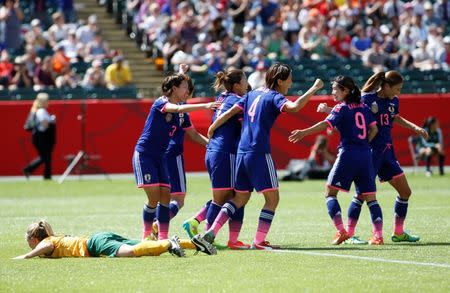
<point>261,108</point>
<point>155,136</point>
<point>352,121</point>
<point>176,142</point>
<point>384,110</point>
<point>226,137</point>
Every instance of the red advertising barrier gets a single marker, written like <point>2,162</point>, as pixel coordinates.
<point>113,126</point>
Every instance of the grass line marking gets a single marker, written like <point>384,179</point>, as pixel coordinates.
<point>367,258</point>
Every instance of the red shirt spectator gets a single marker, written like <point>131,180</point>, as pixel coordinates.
<point>341,43</point>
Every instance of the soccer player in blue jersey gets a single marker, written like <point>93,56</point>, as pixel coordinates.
<point>254,167</point>
<point>149,167</point>
<point>220,157</point>
<point>380,94</point>
<point>354,162</point>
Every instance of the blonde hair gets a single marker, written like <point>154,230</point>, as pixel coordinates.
<point>39,230</point>
<point>41,99</point>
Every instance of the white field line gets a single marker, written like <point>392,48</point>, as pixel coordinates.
<point>367,258</point>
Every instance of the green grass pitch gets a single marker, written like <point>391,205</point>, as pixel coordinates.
<point>301,225</point>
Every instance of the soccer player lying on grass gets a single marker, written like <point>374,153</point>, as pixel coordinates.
<point>44,243</point>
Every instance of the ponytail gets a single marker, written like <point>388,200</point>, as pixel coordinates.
<point>373,83</point>
<point>377,80</point>
<point>227,79</point>
<point>39,230</point>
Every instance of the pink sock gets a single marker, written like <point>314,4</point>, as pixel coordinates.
<point>351,225</point>
<point>261,233</point>
<point>337,221</point>
<point>398,225</point>
<point>235,229</point>
<point>163,231</point>
<point>201,215</point>
<point>221,219</point>
<point>378,229</point>
<point>147,230</point>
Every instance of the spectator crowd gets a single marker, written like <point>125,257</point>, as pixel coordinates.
<point>48,52</point>
<point>212,35</point>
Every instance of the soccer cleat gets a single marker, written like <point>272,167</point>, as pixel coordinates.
<point>191,227</point>
<point>355,240</point>
<point>238,245</point>
<point>203,243</point>
<point>175,248</point>
<point>265,245</point>
<point>405,237</point>
<point>376,240</point>
<point>339,238</point>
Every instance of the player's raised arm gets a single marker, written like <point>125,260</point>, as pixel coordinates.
<point>300,102</point>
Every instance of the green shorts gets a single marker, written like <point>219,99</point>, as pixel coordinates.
<point>107,244</point>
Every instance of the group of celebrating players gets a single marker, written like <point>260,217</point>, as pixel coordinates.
<point>238,156</point>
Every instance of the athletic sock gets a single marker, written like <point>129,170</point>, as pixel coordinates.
<point>213,211</point>
<point>377,218</point>
<point>400,211</point>
<point>162,215</point>
<point>235,225</point>
<point>173,209</point>
<point>265,221</point>
<point>148,215</point>
<point>354,210</point>
<point>334,210</point>
<point>225,213</point>
<point>201,214</point>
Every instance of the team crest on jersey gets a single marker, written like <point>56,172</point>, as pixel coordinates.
<point>168,117</point>
<point>147,177</point>
<point>374,107</point>
<point>391,108</point>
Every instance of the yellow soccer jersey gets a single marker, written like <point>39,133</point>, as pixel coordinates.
<point>68,246</point>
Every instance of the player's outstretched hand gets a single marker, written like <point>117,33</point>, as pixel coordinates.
<point>213,105</point>
<point>422,132</point>
<point>19,257</point>
<point>318,84</point>
<point>296,136</point>
<point>183,69</point>
<point>324,108</point>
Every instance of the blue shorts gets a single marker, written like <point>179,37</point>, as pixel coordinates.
<point>220,167</point>
<point>353,166</point>
<point>150,170</point>
<point>255,171</point>
<point>177,174</point>
<point>385,163</point>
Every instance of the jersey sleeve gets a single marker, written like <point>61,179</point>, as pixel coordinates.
<point>187,123</point>
<point>370,118</point>
<point>241,102</point>
<point>335,116</point>
<point>279,101</point>
<point>397,107</point>
<point>160,105</point>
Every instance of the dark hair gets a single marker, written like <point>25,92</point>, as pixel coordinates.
<point>429,121</point>
<point>276,72</point>
<point>227,79</point>
<point>379,79</point>
<point>345,82</point>
<point>171,81</point>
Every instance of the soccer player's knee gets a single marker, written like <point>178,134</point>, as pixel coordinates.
<point>406,193</point>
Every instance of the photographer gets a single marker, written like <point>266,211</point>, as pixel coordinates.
<point>43,136</point>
